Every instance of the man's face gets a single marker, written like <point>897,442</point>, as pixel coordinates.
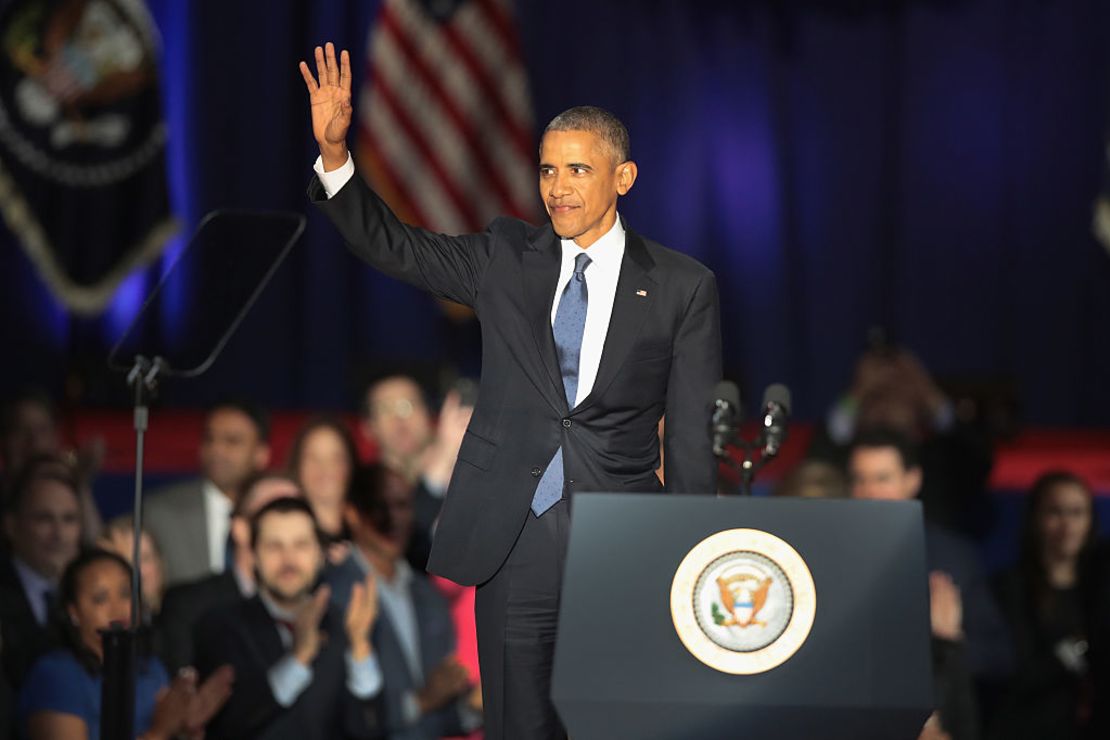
<point>391,544</point>
<point>33,432</point>
<point>288,555</point>
<point>398,419</point>
<point>231,449</point>
<point>878,473</point>
<point>46,531</point>
<point>579,184</point>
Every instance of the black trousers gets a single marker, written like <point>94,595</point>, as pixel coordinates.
<point>517,612</point>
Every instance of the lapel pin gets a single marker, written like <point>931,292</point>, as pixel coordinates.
<point>642,293</point>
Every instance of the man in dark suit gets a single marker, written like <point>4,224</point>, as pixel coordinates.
<point>590,334</point>
<point>190,520</point>
<point>969,637</point>
<point>425,687</point>
<point>43,525</point>
<point>290,681</point>
<point>184,604</point>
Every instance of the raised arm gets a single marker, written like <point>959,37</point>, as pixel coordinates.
<point>449,267</point>
<point>330,99</point>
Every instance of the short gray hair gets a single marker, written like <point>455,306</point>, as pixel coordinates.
<point>597,121</point>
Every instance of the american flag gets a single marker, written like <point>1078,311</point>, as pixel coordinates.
<point>445,127</point>
<point>1102,204</point>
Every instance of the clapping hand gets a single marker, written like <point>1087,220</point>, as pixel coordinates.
<point>448,681</point>
<point>307,636</point>
<point>362,612</point>
<point>331,103</point>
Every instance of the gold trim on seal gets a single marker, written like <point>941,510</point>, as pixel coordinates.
<point>799,589</point>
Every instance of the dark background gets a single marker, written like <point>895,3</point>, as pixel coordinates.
<point>928,167</point>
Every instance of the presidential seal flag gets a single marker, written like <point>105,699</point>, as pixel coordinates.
<point>82,143</point>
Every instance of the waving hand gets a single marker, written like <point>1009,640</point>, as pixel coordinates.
<point>330,99</point>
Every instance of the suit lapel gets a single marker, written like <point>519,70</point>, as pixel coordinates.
<point>630,308</point>
<point>194,524</point>
<point>264,629</point>
<point>540,265</point>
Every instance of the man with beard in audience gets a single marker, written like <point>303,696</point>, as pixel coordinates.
<point>184,604</point>
<point>302,671</point>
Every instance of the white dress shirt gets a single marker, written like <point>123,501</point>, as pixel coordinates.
<point>217,515</point>
<point>601,289</point>
<point>602,273</point>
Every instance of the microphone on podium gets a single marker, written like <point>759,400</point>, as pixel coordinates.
<point>776,412</point>
<point>726,416</point>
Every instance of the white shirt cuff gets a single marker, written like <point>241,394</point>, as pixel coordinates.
<point>364,677</point>
<point>334,181</point>
<point>288,679</point>
<point>410,708</point>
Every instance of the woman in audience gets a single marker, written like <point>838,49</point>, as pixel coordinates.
<point>118,537</point>
<point>322,459</point>
<point>1051,599</point>
<point>60,699</point>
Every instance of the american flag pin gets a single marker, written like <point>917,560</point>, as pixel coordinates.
<point>642,293</point>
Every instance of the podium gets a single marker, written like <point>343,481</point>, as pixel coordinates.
<point>701,617</point>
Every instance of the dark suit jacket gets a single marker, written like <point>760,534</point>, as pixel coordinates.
<point>22,638</point>
<point>182,607</point>
<point>662,354</point>
<point>437,641</point>
<point>245,636</point>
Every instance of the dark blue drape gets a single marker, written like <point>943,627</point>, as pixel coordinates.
<point>924,166</point>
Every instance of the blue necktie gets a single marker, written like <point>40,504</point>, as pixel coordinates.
<point>570,322</point>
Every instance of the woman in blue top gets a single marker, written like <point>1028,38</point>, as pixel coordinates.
<point>61,696</point>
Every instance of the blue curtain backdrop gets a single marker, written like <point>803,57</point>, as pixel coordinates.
<point>926,166</point>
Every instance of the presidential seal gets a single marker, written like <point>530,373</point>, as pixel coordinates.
<point>743,601</point>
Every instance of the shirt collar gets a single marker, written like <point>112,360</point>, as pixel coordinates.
<point>402,572</point>
<point>606,252</point>
<point>216,496</point>
<point>33,582</point>
<point>276,612</point>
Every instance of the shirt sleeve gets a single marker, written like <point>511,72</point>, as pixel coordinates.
<point>334,181</point>
<point>364,677</point>
<point>288,679</point>
<point>56,683</point>
<point>410,708</point>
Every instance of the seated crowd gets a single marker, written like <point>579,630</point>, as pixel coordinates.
<point>289,598</point>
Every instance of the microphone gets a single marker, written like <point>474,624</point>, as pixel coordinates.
<point>776,411</point>
<point>726,415</point>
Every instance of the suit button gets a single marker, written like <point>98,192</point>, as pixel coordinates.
<point>566,423</point>
<point>537,472</point>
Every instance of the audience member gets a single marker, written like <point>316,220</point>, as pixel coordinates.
<point>190,521</point>
<point>396,417</point>
<point>436,469</point>
<point>814,479</point>
<point>969,636</point>
<point>1054,602</point>
<point>322,460</point>
<point>119,537</point>
<point>427,689</point>
<point>29,430</point>
<point>43,527</point>
<point>186,603</point>
<point>61,697</point>
<point>892,390</point>
<point>291,681</point>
